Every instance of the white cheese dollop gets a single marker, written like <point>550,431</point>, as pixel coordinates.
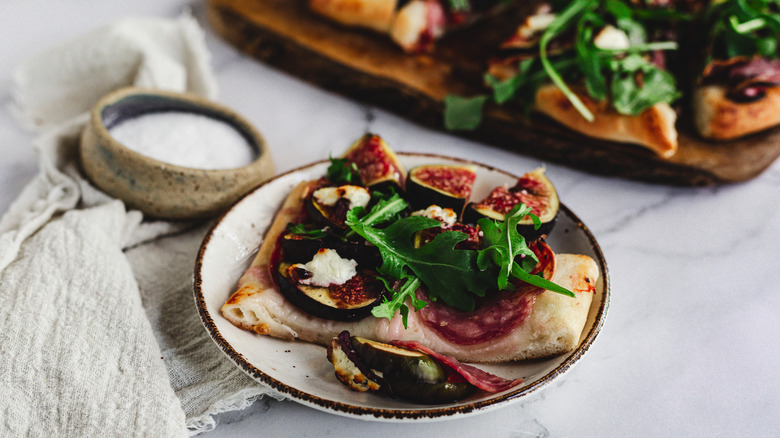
<point>612,38</point>
<point>537,23</point>
<point>356,195</point>
<point>327,268</point>
<point>410,22</point>
<point>444,215</point>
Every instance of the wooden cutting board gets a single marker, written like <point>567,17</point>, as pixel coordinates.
<point>369,68</point>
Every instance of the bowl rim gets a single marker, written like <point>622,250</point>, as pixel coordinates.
<point>239,122</point>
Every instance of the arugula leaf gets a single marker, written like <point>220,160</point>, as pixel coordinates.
<point>449,274</point>
<point>743,28</point>
<point>561,23</point>
<point>341,170</point>
<point>506,89</point>
<point>463,113</point>
<point>385,210</point>
<point>503,244</point>
<point>538,281</point>
<point>388,307</point>
<point>628,96</point>
<point>530,77</point>
<point>300,230</point>
<point>589,58</point>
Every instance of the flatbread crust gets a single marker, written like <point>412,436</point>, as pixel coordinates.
<point>653,129</point>
<point>372,14</point>
<point>404,25</point>
<point>554,326</point>
<point>719,118</point>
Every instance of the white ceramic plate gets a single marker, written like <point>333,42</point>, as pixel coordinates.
<point>300,370</point>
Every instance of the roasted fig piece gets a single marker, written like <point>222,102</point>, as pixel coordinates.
<point>300,242</point>
<point>410,374</point>
<point>300,248</point>
<point>432,393</point>
<point>349,367</point>
<point>532,189</point>
<point>448,186</point>
<point>330,287</point>
<point>329,205</point>
<point>398,363</point>
<point>378,165</point>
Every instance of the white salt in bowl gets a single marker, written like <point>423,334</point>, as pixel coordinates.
<point>178,165</point>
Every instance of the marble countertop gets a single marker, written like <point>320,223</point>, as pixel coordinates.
<point>690,345</point>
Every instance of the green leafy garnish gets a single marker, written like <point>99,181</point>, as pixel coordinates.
<point>456,276</point>
<point>604,74</point>
<point>463,113</point>
<point>503,245</point>
<point>341,170</point>
<point>300,230</point>
<point>449,274</point>
<point>388,307</point>
<point>561,23</point>
<point>743,28</point>
<point>385,210</point>
<point>630,98</point>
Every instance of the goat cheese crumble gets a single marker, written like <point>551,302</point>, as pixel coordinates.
<point>327,268</point>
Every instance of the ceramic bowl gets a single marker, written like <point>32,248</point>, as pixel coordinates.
<point>160,189</point>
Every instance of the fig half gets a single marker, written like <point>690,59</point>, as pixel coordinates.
<point>378,165</point>
<point>328,206</point>
<point>297,248</point>
<point>410,374</point>
<point>448,186</point>
<point>350,301</point>
<point>533,189</point>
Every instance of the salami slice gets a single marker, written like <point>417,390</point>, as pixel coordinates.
<point>494,317</point>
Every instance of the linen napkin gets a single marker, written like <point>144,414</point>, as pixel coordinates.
<point>98,329</point>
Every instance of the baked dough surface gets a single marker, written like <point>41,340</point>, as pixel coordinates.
<point>373,14</point>
<point>720,118</point>
<point>654,128</point>
<point>554,326</point>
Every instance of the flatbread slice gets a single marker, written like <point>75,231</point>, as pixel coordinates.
<point>553,327</point>
<point>414,25</point>
<point>720,118</point>
<point>654,128</point>
<point>377,15</point>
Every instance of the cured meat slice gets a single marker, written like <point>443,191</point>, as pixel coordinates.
<point>496,316</point>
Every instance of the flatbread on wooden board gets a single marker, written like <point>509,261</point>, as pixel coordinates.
<point>403,25</point>
<point>654,128</point>
<point>720,118</point>
<point>372,14</point>
<point>716,116</point>
<point>554,326</point>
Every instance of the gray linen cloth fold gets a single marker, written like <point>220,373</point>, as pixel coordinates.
<point>98,328</point>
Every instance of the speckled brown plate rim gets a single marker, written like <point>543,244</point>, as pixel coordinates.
<point>399,414</point>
